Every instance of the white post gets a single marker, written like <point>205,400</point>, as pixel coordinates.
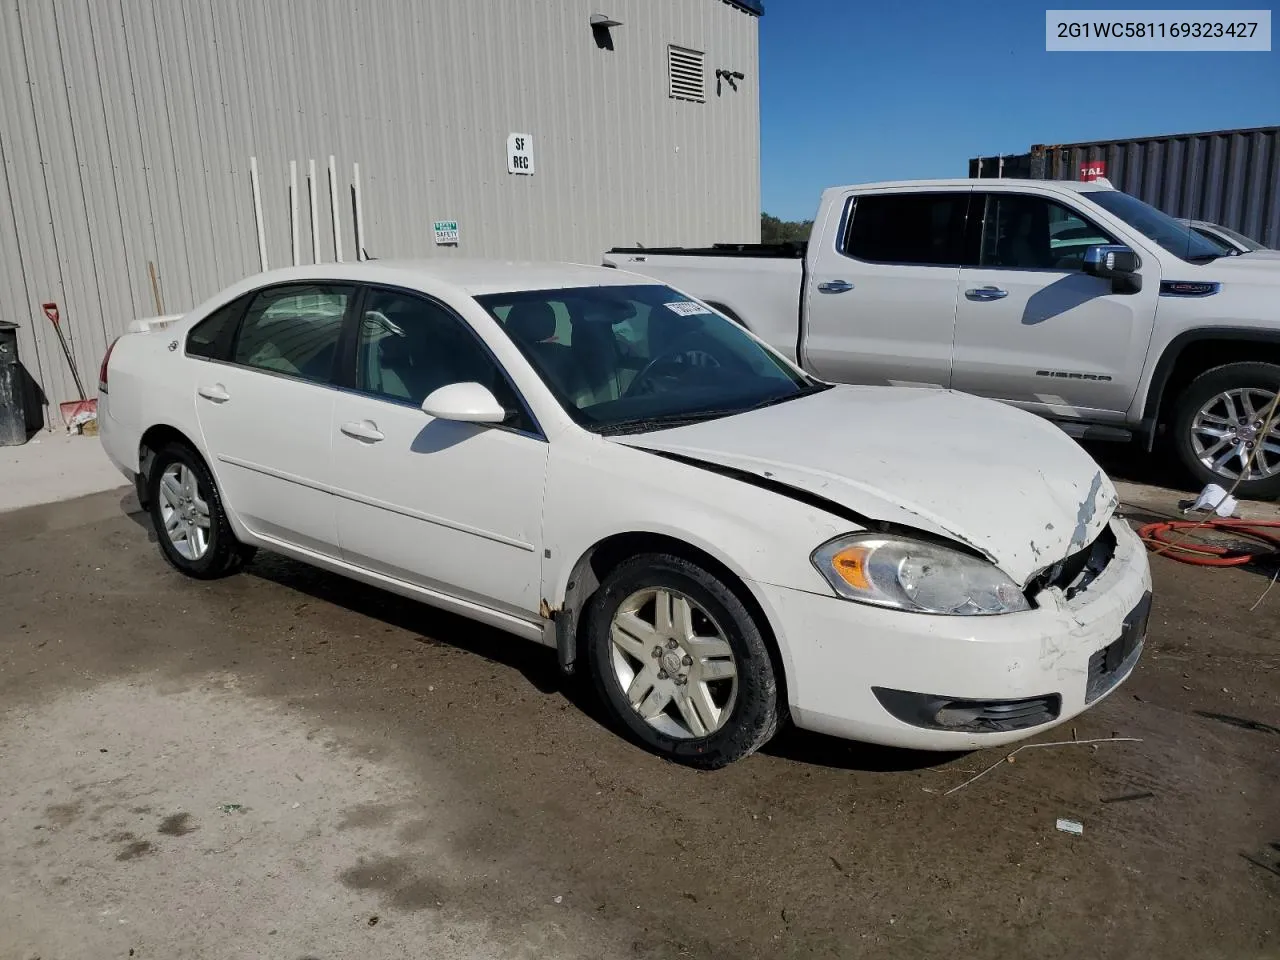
<point>333,205</point>
<point>315,215</point>
<point>257,212</point>
<point>293,211</point>
<point>355,177</point>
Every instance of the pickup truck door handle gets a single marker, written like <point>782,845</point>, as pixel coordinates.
<point>835,286</point>
<point>986,293</point>
<point>365,430</point>
<point>217,393</point>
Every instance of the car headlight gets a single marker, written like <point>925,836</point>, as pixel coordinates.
<point>918,577</point>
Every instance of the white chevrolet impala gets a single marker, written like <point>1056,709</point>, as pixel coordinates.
<point>597,462</point>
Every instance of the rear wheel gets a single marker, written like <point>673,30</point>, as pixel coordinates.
<point>681,663</point>
<point>190,522</point>
<point>1221,433</point>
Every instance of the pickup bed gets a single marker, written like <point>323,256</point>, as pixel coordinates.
<point>1072,300</point>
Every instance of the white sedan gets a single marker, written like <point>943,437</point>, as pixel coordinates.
<point>600,463</point>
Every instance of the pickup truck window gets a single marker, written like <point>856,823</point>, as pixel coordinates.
<point>1177,238</point>
<point>642,357</point>
<point>908,228</point>
<point>1026,232</point>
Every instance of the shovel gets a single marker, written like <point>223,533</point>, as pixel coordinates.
<point>75,413</point>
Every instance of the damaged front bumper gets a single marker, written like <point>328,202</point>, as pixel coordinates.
<point>959,683</point>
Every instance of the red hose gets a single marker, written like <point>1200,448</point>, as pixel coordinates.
<point>1157,538</point>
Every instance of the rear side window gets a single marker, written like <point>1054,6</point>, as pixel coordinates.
<point>294,330</point>
<point>210,339</point>
<point>908,228</point>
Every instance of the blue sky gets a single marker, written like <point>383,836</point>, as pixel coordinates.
<point>855,91</point>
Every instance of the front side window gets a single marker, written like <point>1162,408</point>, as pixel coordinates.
<point>408,347</point>
<point>629,358</point>
<point>1026,232</point>
<point>294,330</point>
<point>908,228</point>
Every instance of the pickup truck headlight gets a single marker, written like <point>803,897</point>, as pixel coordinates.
<point>918,577</point>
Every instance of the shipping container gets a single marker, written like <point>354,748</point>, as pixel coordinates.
<point>1231,177</point>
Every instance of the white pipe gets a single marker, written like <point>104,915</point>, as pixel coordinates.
<point>293,211</point>
<point>355,177</point>
<point>315,216</point>
<point>333,205</point>
<point>257,212</point>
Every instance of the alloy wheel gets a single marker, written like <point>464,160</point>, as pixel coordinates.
<point>673,663</point>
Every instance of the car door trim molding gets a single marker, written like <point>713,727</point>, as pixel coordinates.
<point>275,474</point>
<point>379,504</point>
<point>432,519</point>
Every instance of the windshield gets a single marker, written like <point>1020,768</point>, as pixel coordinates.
<point>1177,238</point>
<point>632,358</point>
<point>1244,242</point>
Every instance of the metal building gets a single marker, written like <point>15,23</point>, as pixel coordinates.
<point>154,151</point>
<point>1230,177</point>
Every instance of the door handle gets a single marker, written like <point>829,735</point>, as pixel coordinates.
<point>835,286</point>
<point>986,293</point>
<point>365,430</point>
<point>217,393</point>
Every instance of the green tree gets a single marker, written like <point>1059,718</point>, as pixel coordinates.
<point>773,230</point>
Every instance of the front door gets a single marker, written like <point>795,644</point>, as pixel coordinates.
<point>1034,329</point>
<point>452,507</point>
<point>881,302</point>
<point>265,412</point>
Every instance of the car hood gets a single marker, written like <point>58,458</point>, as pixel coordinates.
<point>993,477</point>
<point>1260,266</point>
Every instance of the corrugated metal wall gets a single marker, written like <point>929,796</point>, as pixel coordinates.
<point>126,128</point>
<point>1230,177</point>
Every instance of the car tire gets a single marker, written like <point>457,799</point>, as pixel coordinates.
<point>706,718</point>
<point>1203,409</point>
<point>190,522</point>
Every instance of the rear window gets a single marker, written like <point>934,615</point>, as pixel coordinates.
<point>210,339</point>
<point>908,228</point>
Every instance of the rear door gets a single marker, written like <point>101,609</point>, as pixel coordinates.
<point>265,408</point>
<point>880,304</point>
<point>1034,329</point>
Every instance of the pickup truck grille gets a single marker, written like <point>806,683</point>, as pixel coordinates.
<point>1078,570</point>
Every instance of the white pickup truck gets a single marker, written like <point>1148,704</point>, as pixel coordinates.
<point>1072,300</point>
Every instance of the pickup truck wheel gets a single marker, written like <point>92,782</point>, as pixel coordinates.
<point>1219,426</point>
<point>190,522</point>
<point>680,662</point>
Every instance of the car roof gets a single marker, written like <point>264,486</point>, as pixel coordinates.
<point>1077,186</point>
<point>474,277</point>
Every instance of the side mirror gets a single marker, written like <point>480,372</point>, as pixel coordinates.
<point>1114,262</point>
<point>1111,261</point>
<point>465,403</point>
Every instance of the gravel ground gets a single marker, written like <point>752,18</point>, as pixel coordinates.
<point>286,764</point>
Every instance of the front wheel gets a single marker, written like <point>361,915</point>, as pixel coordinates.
<point>681,663</point>
<point>1220,429</point>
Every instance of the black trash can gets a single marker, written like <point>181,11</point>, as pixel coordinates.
<point>13,413</point>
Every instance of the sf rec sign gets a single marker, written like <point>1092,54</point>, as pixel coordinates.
<point>520,154</point>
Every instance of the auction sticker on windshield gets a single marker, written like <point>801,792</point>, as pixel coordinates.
<point>686,308</point>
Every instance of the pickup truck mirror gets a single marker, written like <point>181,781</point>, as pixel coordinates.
<point>1114,262</point>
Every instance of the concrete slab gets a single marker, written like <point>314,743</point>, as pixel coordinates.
<point>52,467</point>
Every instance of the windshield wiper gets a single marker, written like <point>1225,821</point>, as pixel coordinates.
<point>666,421</point>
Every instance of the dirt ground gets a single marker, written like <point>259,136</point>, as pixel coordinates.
<point>285,764</point>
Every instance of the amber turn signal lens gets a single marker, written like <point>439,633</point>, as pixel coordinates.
<point>851,565</point>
